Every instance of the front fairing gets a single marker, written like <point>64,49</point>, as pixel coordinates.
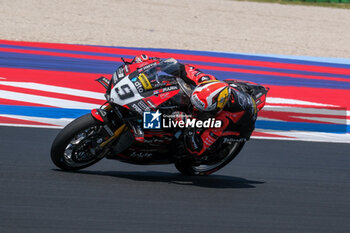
<point>145,83</point>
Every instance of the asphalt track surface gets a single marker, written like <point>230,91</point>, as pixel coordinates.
<point>272,186</point>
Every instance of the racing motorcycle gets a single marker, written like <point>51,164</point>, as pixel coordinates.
<point>114,131</point>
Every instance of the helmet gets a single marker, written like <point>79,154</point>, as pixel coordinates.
<point>141,58</point>
<point>210,97</point>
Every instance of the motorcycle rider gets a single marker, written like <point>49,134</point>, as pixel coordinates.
<point>211,98</point>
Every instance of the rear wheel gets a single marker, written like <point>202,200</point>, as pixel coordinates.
<point>75,146</point>
<point>187,167</point>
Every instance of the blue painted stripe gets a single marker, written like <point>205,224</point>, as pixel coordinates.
<point>29,61</point>
<point>301,126</point>
<point>248,67</point>
<point>338,63</point>
<point>65,51</point>
<point>45,112</point>
<point>280,80</point>
<point>343,61</point>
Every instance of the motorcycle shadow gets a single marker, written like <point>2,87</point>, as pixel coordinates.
<point>212,181</point>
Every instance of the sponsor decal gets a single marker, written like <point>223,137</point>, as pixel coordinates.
<point>104,81</point>
<point>137,108</point>
<point>145,82</point>
<point>140,154</point>
<point>164,95</point>
<point>171,88</point>
<point>161,84</point>
<point>204,79</point>
<point>126,69</point>
<point>153,140</point>
<point>115,78</point>
<point>150,103</point>
<point>143,106</point>
<point>209,141</point>
<point>139,87</point>
<point>198,73</point>
<point>157,140</point>
<point>197,101</point>
<point>228,140</point>
<point>222,98</point>
<point>146,67</point>
<point>120,72</point>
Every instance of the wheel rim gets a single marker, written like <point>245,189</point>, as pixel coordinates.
<point>81,150</point>
<point>206,168</point>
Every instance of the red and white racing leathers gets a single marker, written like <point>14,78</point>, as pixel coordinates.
<point>238,116</point>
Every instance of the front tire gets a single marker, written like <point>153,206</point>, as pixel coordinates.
<point>73,147</point>
<point>187,168</point>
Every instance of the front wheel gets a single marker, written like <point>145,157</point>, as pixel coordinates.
<point>186,167</point>
<point>75,146</point>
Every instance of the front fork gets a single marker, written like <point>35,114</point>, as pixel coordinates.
<point>101,116</point>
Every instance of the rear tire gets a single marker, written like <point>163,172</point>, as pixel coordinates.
<point>187,168</point>
<point>65,137</point>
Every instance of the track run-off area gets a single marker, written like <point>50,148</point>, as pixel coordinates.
<point>295,181</point>
<point>45,84</point>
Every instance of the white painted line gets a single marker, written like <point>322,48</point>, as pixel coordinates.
<point>269,119</point>
<point>324,119</point>
<point>344,61</point>
<point>55,102</point>
<point>334,112</point>
<point>59,122</point>
<point>55,89</point>
<point>307,136</point>
<point>274,100</point>
<point>32,126</point>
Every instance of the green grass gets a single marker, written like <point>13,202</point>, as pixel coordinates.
<point>304,3</point>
